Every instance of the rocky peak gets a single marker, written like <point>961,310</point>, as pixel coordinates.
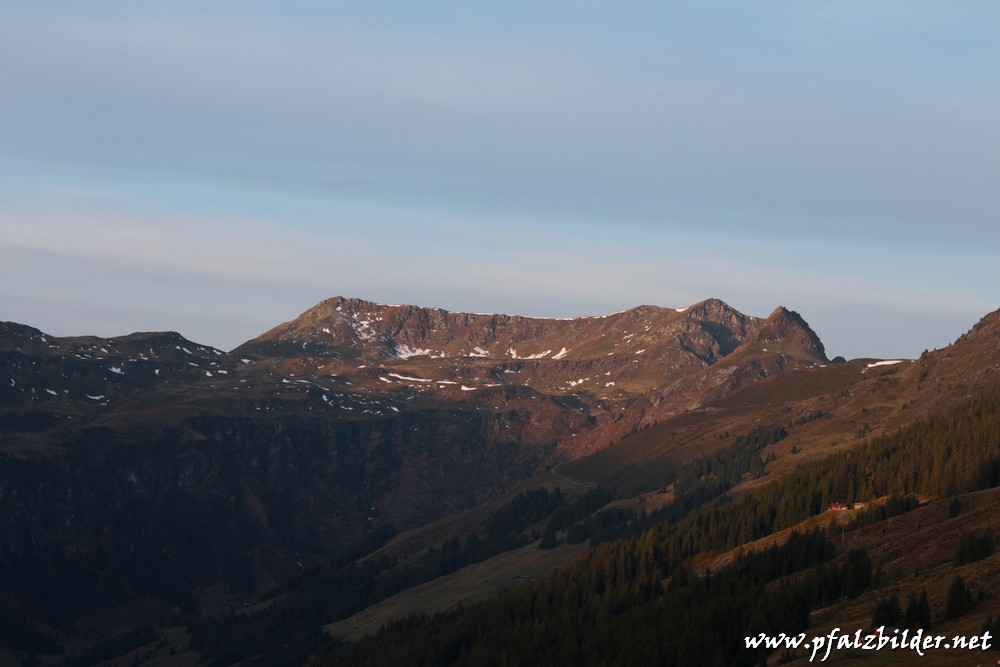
<point>14,335</point>
<point>987,329</point>
<point>15,330</point>
<point>792,334</point>
<point>715,309</point>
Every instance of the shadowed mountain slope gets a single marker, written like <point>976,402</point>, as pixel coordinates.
<point>184,476</point>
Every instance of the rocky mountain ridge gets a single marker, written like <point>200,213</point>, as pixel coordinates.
<point>358,330</point>
<point>647,362</point>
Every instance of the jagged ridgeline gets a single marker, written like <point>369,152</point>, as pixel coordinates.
<point>612,605</point>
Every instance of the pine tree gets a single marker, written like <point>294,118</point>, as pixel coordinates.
<point>548,540</point>
<point>887,612</point>
<point>954,508</point>
<point>959,599</point>
<point>856,573</point>
<point>918,611</point>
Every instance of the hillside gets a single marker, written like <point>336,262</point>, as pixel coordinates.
<point>820,411</point>
<point>791,401</point>
<point>363,462</point>
<point>608,605</point>
<point>824,408</point>
<point>146,476</point>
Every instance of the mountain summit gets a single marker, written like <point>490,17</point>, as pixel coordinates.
<point>624,370</point>
<point>358,330</point>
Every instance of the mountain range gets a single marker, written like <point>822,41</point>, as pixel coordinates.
<point>150,481</point>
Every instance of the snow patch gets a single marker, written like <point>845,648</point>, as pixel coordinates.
<point>362,328</point>
<point>513,354</point>
<point>408,378</point>
<point>560,354</point>
<point>116,369</point>
<point>601,317</point>
<point>96,398</point>
<point>405,352</point>
<point>887,362</point>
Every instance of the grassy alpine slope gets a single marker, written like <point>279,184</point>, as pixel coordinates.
<point>640,600</point>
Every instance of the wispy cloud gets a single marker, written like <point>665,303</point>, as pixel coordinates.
<point>576,162</point>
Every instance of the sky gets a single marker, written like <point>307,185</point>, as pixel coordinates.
<point>218,168</point>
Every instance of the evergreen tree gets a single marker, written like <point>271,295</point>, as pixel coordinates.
<point>887,612</point>
<point>548,540</point>
<point>973,547</point>
<point>856,573</point>
<point>954,508</point>
<point>959,599</point>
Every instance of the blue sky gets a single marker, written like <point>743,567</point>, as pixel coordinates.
<point>219,169</point>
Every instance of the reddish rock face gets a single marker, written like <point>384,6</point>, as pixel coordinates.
<point>626,369</point>
<point>356,330</point>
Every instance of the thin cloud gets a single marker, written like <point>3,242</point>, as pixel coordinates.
<point>841,153</point>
